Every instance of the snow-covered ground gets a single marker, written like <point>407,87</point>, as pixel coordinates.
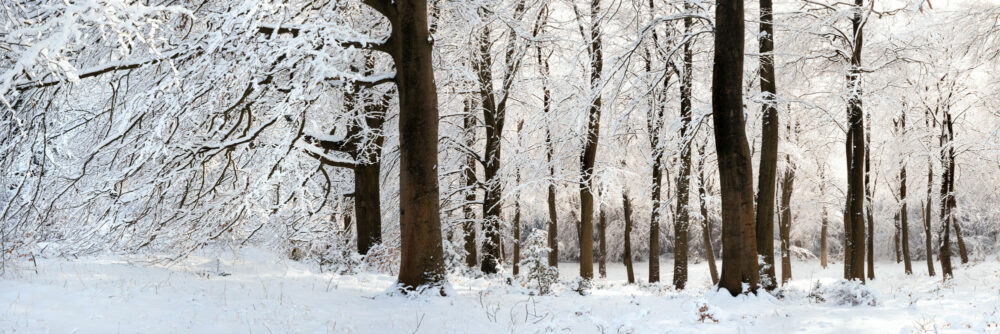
<point>256,292</point>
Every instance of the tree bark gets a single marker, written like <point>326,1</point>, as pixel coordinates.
<point>868,203</point>
<point>684,174</point>
<point>766,180</point>
<point>627,208</point>
<point>947,196</point>
<point>855,222</point>
<point>422,255</point>
<point>469,174</point>
<point>785,223</point>
<point>590,147</point>
<point>904,227</point>
<point>739,245</point>
<point>706,222</point>
<point>824,243</point>
<point>549,151</point>
<point>602,268</point>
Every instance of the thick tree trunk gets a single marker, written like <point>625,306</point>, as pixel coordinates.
<point>739,245</point>
<point>590,147</point>
<point>785,222</point>
<point>469,174</point>
<point>855,244</point>
<point>493,117</point>
<point>627,208</point>
<point>769,148</point>
<point>422,255</point>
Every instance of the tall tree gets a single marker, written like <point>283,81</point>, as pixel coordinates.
<point>517,207</point>
<point>549,152</point>
<point>766,180</point>
<point>684,174</point>
<point>706,222</point>
<point>410,44</point>
<point>870,221</point>
<point>824,242</point>
<point>785,219</point>
<point>739,246</point>
<point>854,224</point>
<point>469,174</point>
<point>904,228</point>
<point>627,208</point>
<point>494,116</point>
<point>602,249</point>
<point>947,195</point>
<point>590,145</point>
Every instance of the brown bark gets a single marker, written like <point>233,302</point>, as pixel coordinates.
<point>422,258</point>
<point>947,196</point>
<point>469,174</point>
<point>627,208</point>
<point>785,221</point>
<point>654,125</point>
<point>739,245</point>
<point>549,151</point>
<point>590,147</point>
<point>904,228</point>
<point>706,222</point>
<point>870,222</point>
<point>855,222</point>
<point>824,243</point>
<point>766,180</point>
<point>684,174</point>
<point>602,256</point>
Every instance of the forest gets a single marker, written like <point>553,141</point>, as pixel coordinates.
<point>464,165</point>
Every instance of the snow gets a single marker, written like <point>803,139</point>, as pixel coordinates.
<point>256,291</point>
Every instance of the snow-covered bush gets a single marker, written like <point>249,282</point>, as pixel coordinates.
<point>339,257</point>
<point>535,264</point>
<point>844,292</point>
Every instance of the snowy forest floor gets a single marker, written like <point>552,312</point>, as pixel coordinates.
<point>258,292</point>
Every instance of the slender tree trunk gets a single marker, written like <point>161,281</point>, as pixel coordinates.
<point>549,151</point>
<point>904,227</point>
<point>769,148</point>
<point>654,125</point>
<point>856,173</point>
<point>628,236</point>
<point>469,174</point>
<point>422,255</point>
<point>602,268</point>
<point>590,147</point>
<point>947,194</point>
<point>868,203</point>
<point>706,222</point>
<point>785,225</point>
<point>739,244</point>
<point>962,251</point>
<point>681,225</point>
<point>494,118</point>
<point>517,218</point>
<point>824,242</point>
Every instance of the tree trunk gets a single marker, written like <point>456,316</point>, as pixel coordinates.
<point>422,255</point>
<point>868,203</point>
<point>628,236</point>
<point>962,251</point>
<point>469,174</point>
<point>904,227</point>
<point>739,245</point>
<point>947,196</point>
<point>549,151</point>
<point>926,208</point>
<point>706,223</point>
<point>824,243</point>
<point>590,147</point>
<point>785,223</point>
<point>769,148</point>
<point>855,245</point>
<point>602,268</point>
<point>654,125</point>
<point>684,174</point>
<point>493,117</point>
<point>517,221</point>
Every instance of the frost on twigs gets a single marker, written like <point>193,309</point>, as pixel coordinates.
<point>535,266</point>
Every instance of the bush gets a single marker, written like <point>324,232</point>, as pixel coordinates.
<point>535,264</point>
<point>844,292</point>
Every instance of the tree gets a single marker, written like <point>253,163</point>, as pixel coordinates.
<point>627,208</point>
<point>590,146</point>
<point>684,174</point>
<point>824,242</point>
<point>469,175</point>
<point>706,222</point>
<point>739,249</point>
<point>903,214</point>
<point>785,219</point>
<point>854,224</point>
<point>766,181</point>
